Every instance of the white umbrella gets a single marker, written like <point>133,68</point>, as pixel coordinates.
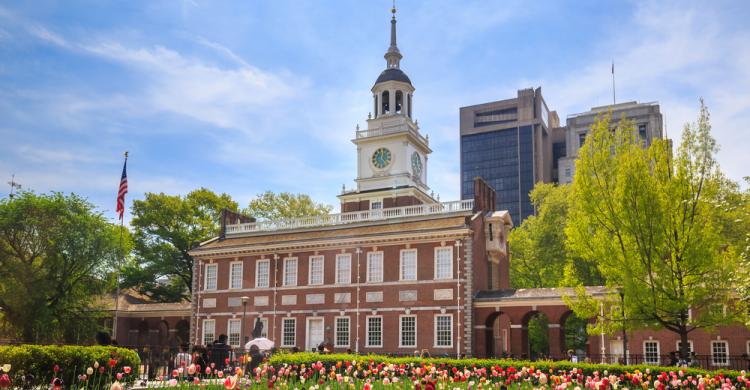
<point>263,344</point>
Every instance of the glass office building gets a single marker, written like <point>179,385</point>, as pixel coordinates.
<point>504,159</point>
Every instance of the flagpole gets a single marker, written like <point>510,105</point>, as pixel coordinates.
<point>121,259</point>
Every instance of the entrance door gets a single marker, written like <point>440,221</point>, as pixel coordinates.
<point>314,333</point>
<point>615,351</point>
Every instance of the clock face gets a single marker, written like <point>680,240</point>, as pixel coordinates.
<point>416,164</point>
<point>381,158</point>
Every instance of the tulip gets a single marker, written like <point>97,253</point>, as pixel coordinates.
<point>6,368</point>
<point>116,385</point>
<point>90,371</point>
<point>56,368</point>
<point>112,363</point>
<point>4,381</point>
<point>196,380</point>
<point>118,376</point>
<point>191,369</point>
<point>127,370</point>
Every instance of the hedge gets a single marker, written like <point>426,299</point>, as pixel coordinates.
<point>35,364</point>
<point>544,365</point>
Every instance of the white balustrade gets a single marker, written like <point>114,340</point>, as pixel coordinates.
<point>352,217</point>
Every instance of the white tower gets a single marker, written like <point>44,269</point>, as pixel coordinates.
<point>391,152</point>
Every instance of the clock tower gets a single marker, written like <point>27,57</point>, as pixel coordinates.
<point>391,152</point>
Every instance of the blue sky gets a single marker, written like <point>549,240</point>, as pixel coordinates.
<point>247,96</point>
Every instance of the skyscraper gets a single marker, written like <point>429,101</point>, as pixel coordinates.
<point>508,143</point>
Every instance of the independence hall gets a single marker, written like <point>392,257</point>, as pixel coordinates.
<point>397,271</point>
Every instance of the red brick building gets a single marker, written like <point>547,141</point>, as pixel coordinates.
<point>397,271</point>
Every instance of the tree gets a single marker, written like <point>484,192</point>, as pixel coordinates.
<point>272,206</point>
<point>166,227</point>
<point>538,252</point>
<point>647,218</point>
<point>57,254</point>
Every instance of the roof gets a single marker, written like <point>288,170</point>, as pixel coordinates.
<point>131,301</point>
<point>393,74</point>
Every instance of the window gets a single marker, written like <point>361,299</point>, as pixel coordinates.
<point>384,102</point>
<point>375,99</point>
<point>343,268</point>
<point>408,105</point>
<point>374,331</point>
<point>316,270</point>
<point>719,353</point>
<point>376,205</point>
<point>210,282</point>
<point>408,264</point>
<point>642,131</point>
<point>651,352</point>
<point>399,101</point>
<point>443,262</point>
<point>209,331</point>
<point>342,332</point>
<point>290,271</point>
<point>581,139</point>
<point>262,270</point>
<point>289,332</point>
<point>235,275</point>
<point>233,330</point>
<point>444,330</point>
<point>407,331</point>
<point>374,267</point>
<point>689,345</point>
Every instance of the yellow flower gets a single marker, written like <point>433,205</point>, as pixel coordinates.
<point>6,368</point>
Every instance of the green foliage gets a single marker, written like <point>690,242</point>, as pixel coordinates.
<point>576,335</point>
<point>40,360</point>
<point>647,219</point>
<point>56,254</point>
<point>538,252</point>
<point>538,336</point>
<point>272,206</point>
<point>166,228</point>
<point>307,358</point>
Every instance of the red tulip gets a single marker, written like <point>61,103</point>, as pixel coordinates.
<point>119,376</point>
<point>175,373</point>
<point>4,381</point>
<point>101,369</point>
<point>226,361</point>
<point>56,368</point>
<point>127,369</point>
<point>220,374</point>
<point>112,363</point>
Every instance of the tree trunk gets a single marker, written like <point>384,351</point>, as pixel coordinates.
<point>684,346</point>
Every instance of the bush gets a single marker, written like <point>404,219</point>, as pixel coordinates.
<point>544,365</point>
<point>37,363</point>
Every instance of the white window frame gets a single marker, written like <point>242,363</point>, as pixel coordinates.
<point>646,354</point>
<point>449,273</point>
<point>376,201</point>
<point>435,341</point>
<point>747,349</point>
<point>310,261</point>
<point>726,350</point>
<point>284,321</point>
<point>204,325</point>
<point>370,276</point>
<point>258,280</point>
<point>336,331</point>
<point>368,344</point>
<point>232,286</point>
<point>401,331</point>
<point>286,276</point>
<point>238,323</point>
<point>340,259</point>
<point>401,267</point>
<point>215,278</point>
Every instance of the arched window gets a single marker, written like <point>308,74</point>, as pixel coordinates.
<point>375,98</point>
<point>399,101</point>
<point>384,102</point>
<point>408,105</point>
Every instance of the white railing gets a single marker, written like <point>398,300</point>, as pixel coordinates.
<point>352,217</point>
<point>391,130</point>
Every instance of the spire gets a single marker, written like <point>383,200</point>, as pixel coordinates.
<point>393,56</point>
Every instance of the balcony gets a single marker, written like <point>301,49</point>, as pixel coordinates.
<point>392,128</point>
<point>460,206</point>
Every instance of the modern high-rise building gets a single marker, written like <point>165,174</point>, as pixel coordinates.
<point>509,144</point>
<point>646,117</point>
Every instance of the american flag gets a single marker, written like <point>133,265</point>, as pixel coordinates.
<point>123,188</point>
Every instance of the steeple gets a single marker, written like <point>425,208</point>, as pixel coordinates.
<point>393,56</point>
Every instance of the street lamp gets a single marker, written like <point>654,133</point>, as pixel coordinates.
<point>245,299</point>
<point>624,333</point>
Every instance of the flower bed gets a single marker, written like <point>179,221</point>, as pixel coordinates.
<point>27,366</point>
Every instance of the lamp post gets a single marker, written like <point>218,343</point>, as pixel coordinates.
<point>624,333</point>
<point>245,299</point>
